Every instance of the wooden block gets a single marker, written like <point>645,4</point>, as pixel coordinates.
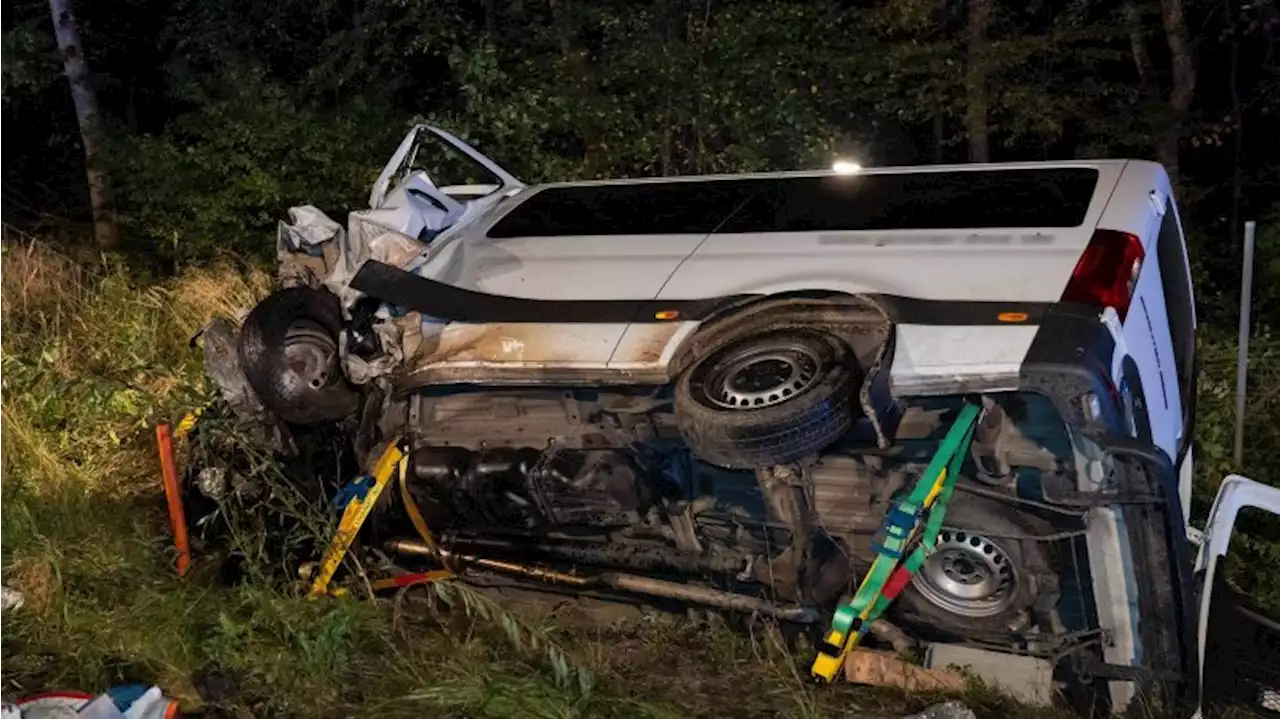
<point>887,669</point>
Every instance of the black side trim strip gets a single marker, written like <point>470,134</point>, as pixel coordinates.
<point>912,311</point>
<point>448,302</point>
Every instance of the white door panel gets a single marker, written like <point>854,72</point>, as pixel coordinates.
<point>1254,656</point>
<point>559,268</point>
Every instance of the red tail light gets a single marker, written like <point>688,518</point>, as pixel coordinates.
<point>1107,272</point>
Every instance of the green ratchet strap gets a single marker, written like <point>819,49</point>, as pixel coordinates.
<point>911,525</point>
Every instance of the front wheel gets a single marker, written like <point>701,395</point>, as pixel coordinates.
<point>289,351</point>
<point>766,400</point>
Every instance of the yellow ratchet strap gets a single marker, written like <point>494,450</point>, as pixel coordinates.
<point>411,508</point>
<point>419,523</point>
<point>354,516</point>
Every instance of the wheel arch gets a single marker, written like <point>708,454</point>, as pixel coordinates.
<point>821,308</point>
<point>863,323</point>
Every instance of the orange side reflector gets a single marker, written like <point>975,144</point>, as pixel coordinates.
<point>666,315</point>
<point>1013,317</point>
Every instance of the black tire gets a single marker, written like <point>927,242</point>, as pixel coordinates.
<point>800,414</point>
<point>1005,577</point>
<point>289,352</point>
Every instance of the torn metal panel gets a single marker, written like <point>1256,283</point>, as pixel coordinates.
<point>307,247</point>
<point>391,338</point>
<point>222,365</point>
<point>315,251</point>
<point>407,155</point>
<point>367,240</point>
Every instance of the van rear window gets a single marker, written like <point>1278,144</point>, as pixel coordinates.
<point>1049,197</point>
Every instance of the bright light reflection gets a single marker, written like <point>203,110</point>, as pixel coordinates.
<point>846,167</point>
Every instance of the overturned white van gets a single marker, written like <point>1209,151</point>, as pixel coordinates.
<point>720,383</point>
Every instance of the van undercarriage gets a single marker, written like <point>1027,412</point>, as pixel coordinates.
<point>592,491</point>
<point>606,481</point>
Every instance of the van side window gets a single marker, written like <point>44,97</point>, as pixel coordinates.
<point>1174,274</point>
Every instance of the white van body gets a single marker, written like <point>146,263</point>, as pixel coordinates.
<point>1023,264</point>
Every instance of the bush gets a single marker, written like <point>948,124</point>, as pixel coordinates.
<point>221,176</point>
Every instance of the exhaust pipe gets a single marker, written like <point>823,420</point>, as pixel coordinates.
<point>619,581</point>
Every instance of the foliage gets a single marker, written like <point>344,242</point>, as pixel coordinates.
<point>216,179</point>
<point>30,60</point>
<point>92,360</point>
<point>226,112</point>
<point>1257,542</point>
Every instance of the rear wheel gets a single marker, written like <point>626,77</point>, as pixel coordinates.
<point>985,575</point>
<point>768,399</point>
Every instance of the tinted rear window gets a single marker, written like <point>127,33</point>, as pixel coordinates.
<point>1054,197</point>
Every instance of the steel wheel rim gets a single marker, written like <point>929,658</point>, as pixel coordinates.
<point>763,377</point>
<point>309,353</point>
<point>968,575</point>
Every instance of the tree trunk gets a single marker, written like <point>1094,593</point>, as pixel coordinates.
<point>1169,128</point>
<point>704,37</point>
<point>1237,138</point>
<point>580,75</point>
<point>976,101</point>
<point>491,19</point>
<point>105,232</point>
<point>666,19</point>
<point>1184,85</point>
<point>1138,48</point>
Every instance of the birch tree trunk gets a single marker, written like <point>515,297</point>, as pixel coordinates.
<point>105,231</point>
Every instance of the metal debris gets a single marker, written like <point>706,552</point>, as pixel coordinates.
<point>222,364</point>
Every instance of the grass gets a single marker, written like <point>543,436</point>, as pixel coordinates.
<point>92,358</point>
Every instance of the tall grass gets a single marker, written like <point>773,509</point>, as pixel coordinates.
<point>92,358</point>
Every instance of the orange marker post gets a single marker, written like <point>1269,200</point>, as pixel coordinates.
<point>177,518</point>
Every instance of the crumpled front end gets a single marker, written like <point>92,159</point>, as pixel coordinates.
<point>318,258</point>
